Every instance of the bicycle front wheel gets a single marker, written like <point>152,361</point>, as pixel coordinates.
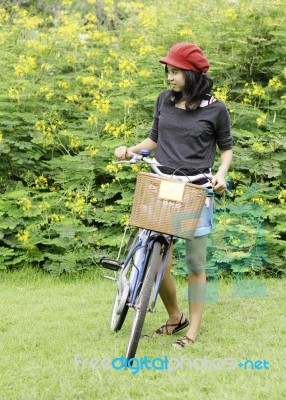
<point>120,306</point>
<point>143,301</point>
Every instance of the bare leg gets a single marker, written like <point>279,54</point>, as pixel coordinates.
<point>196,259</point>
<point>197,293</point>
<point>196,290</point>
<point>168,295</point>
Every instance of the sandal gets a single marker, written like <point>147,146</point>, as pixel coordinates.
<point>181,343</point>
<point>178,327</point>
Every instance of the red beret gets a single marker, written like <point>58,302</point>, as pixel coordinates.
<point>186,56</point>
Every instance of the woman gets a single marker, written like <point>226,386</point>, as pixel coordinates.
<point>188,125</point>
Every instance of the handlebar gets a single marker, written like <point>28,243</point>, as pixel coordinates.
<point>143,158</point>
<point>137,158</point>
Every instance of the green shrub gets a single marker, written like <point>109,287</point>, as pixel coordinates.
<point>80,78</point>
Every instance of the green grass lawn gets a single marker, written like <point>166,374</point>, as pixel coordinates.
<point>46,321</point>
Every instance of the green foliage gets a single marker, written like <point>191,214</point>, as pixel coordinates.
<point>80,78</point>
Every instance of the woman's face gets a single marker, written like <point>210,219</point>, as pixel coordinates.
<point>176,78</point>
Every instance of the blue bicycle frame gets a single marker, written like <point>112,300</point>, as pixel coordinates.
<point>141,253</point>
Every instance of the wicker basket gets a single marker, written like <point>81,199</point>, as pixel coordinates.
<point>167,205</point>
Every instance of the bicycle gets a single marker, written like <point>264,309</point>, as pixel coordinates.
<point>163,208</point>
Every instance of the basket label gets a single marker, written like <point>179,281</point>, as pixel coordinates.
<point>171,191</point>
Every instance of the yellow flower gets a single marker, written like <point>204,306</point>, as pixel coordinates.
<point>124,220</point>
<point>117,131</point>
<point>113,168</point>
<point>186,32</point>
<point>258,200</point>
<point>41,182</point>
<point>27,21</point>
<point>258,147</point>
<point>4,16</point>
<point>275,83</point>
<point>71,58</point>
<point>103,37</point>
<point>134,168</point>
<point>92,150</point>
<point>238,192</point>
<point>25,204</point>
<point>125,83</point>
<point>103,84</point>
<point>14,94</point>
<point>74,142</point>
<point>282,196</point>
<point>246,100</point>
<point>57,218</point>
<point>108,71</point>
<point>64,85</point>
<point>261,120</point>
<point>23,236</point>
<point>144,73</point>
<point>91,18</point>
<point>26,64</point>
<point>39,47</point>
<point>69,31</point>
<point>46,92</point>
<point>87,80</point>
<point>253,91</point>
<point>44,206</point>
<point>54,188</point>
<point>92,119</point>
<point>234,240</point>
<point>130,5</point>
<point>145,50</point>
<point>231,14</point>
<point>129,103</point>
<point>79,204</point>
<point>148,17</point>
<point>72,98</point>
<point>224,221</point>
<point>257,90</point>
<point>102,105</point>
<point>127,66</point>
<point>221,93</point>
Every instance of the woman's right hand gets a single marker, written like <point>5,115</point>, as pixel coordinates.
<point>123,153</point>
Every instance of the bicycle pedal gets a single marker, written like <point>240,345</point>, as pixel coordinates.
<point>109,263</point>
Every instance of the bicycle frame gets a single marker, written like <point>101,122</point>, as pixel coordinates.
<point>140,254</point>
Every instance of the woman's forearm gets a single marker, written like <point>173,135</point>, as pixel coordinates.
<point>225,160</point>
<point>147,144</point>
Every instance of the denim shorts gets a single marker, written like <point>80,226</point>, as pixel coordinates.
<point>205,224</point>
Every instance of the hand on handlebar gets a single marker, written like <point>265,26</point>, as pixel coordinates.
<point>123,153</point>
<point>219,184</point>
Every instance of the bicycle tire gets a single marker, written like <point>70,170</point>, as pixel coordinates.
<point>143,302</point>
<point>117,319</point>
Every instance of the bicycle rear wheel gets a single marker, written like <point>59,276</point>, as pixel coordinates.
<point>120,307</point>
<point>143,301</point>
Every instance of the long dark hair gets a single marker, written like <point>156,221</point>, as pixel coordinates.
<point>197,86</point>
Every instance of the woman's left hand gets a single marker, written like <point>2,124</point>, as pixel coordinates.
<point>219,183</point>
